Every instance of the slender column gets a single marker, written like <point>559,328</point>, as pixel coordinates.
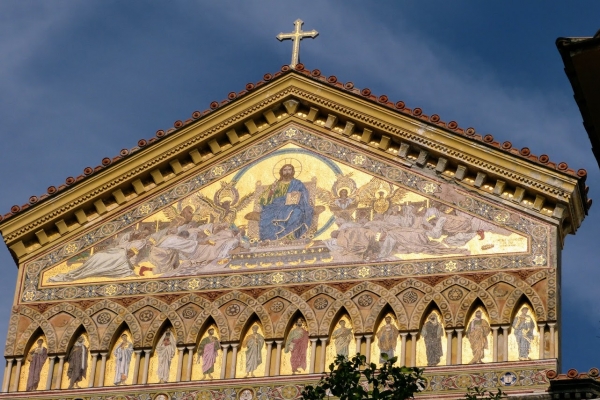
<point>323,351</point>
<point>15,387</point>
<point>136,366</point>
<point>413,348</point>
<point>233,360</point>
<point>358,339</point>
<point>505,342</point>
<point>552,349</point>
<point>368,350</point>
<point>542,328</point>
<point>93,370</point>
<point>147,353</point>
<point>188,372</point>
<point>61,364</point>
<point>102,369</point>
<point>313,354</point>
<point>278,357</point>
<point>268,360</point>
<point>225,348</point>
<point>50,372</point>
<point>403,348</point>
<point>459,345</point>
<point>180,350</point>
<point>8,373</point>
<point>495,343</point>
<point>449,346</point>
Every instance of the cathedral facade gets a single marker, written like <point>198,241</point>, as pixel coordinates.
<point>234,255</point>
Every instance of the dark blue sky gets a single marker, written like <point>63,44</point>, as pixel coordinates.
<point>79,81</point>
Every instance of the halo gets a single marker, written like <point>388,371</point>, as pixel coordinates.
<point>346,188</point>
<point>295,163</point>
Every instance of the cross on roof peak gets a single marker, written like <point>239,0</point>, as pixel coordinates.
<point>296,36</point>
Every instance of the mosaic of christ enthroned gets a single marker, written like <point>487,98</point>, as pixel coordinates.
<point>291,208</point>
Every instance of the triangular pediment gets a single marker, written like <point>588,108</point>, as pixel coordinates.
<point>411,141</point>
<point>337,210</point>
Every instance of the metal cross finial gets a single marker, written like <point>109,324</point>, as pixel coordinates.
<point>296,37</point>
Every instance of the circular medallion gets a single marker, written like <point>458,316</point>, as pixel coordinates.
<point>188,313</point>
<point>232,310</point>
<point>455,294</point>
<point>410,296</point>
<point>321,303</point>
<point>108,229</point>
<point>407,269</point>
<point>146,315</point>
<point>103,318</point>
<point>365,300</point>
<point>508,379</point>
<point>277,306</point>
<point>320,275</point>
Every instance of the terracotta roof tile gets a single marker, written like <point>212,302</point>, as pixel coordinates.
<point>331,80</point>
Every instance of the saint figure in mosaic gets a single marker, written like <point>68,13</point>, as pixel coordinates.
<point>207,352</point>
<point>387,338</point>
<point>165,349</point>
<point>342,337</point>
<point>254,344</point>
<point>78,360</point>
<point>37,358</point>
<point>286,211</point>
<point>477,333</point>
<point>297,344</point>
<point>433,332</point>
<point>122,354</point>
<point>523,327</point>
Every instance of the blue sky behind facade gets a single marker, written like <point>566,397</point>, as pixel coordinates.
<point>79,81</point>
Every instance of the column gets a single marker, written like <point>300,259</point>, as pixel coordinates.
<point>323,351</point>
<point>188,372</point>
<point>50,372</point>
<point>413,348</point>
<point>93,370</point>
<point>8,373</point>
<point>233,360</point>
<point>268,360</point>
<point>368,344</point>
<point>15,385</point>
<point>495,343</point>
<point>449,346</point>
<point>136,366</point>
<point>102,369</point>
<point>180,351</point>
<point>313,355</point>
<point>61,364</point>
<point>505,342</point>
<point>147,353</point>
<point>358,339</point>
<point>225,348</point>
<point>403,348</point>
<point>552,341</point>
<point>542,329</point>
<point>278,357</point>
<point>459,345</point>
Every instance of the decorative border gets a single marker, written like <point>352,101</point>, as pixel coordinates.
<point>539,256</point>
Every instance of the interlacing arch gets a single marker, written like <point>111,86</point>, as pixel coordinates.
<point>123,315</point>
<point>349,306</point>
<point>201,318</point>
<point>441,304</point>
<point>490,306</point>
<point>81,318</point>
<point>385,298</point>
<point>191,298</point>
<point>166,312</point>
<point>26,336</point>
<point>253,307</point>
<point>38,321</point>
<point>322,289</point>
<point>297,303</point>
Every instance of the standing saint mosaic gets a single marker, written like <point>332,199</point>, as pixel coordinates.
<point>208,349</point>
<point>37,358</point>
<point>297,345</point>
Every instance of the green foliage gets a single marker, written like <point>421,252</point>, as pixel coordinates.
<point>354,379</point>
<point>477,393</point>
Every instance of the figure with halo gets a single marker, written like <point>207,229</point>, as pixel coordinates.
<point>286,210</point>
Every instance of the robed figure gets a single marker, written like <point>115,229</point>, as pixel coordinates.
<point>207,352</point>
<point>122,354</point>
<point>165,349</point>
<point>477,333</point>
<point>387,338</point>
<point>77,360</point>
<point>286,210</point>
<point>297,344</point>
<point>342,337</point>
<point>37,358</point>
<point>254,344</point>
<point>433,332</point>
<point>523,326</point>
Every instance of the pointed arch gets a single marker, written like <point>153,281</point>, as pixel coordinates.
<point>27,335</point>
<point>210,312</point>
<point>166,312</point>
<point>385,299</point>
<point>253,306</point>
<point>37,318</point>
<point>297,304</point>
<point>112,332</point>
<point>523,290</point>
<point>334,311</point>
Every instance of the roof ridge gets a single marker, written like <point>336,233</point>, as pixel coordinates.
<point>331,80</point>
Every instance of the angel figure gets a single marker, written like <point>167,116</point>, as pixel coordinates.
<point>341,199</point>
<point>381,196</point>
<point>225,204</point>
